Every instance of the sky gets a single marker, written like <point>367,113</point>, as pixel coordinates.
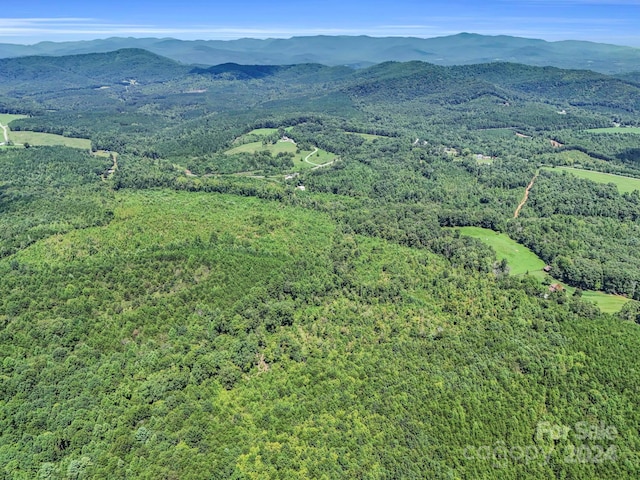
<point>607,21</point>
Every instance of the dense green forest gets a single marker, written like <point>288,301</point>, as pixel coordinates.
<point>179,307</point>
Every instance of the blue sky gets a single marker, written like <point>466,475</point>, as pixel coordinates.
<point>609,21</point>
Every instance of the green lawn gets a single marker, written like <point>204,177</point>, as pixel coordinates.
<point>48,139</point>
<point>367,136</point>
<point>522,260</point>
<point>606,302</point>
<point>254,147</point>
<point>635,130</point>
<point>320,157</point>
<point>6,118</point>
<point>263,132</point>
<point>624,184</point>
<point>40,139</point>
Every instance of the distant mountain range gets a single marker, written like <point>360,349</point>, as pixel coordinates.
<point>360,51</point>
<point>107,79</point>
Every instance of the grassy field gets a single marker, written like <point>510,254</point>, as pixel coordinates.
<point>47,139</point>
<point>606,302</point>
<point>320,157</point>
<point>635,130</point>
<point>624,184</point>
<point>522,260</point>
<point>367,136</point>
<point>6,118</point>
<point>40,139</point>
<point>265,132</point>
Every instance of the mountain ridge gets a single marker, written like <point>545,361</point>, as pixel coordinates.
<point>359,51</point>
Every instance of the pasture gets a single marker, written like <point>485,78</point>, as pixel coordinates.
<point>606,302</point>
<point>635,130</point>
<point>48,139</point>
<point>624,184</point>
<point>369,137</point>
<point>6,118</point>
<point>521,260</point>
<point>40,139</point>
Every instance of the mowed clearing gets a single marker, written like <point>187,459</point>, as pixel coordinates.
<point>314,157</point>
<point>369,137</point>
<point>521,260</point>
<point>635,130</point>
<point>6,118</point>
<point>39,139</point>
<point>264,132</point>
<point>49,139</point>
<point>624,184</point>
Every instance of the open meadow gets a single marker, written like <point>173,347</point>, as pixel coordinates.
<point>635,130</point>
<point>521,261</point>
<point>624,184</point>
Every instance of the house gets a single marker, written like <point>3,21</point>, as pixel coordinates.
<point>547,268</point>
<point>556,287</point>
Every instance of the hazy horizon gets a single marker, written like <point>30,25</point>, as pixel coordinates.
<point>602,21</point>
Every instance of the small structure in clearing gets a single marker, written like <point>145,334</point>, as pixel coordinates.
<point>556,287</point>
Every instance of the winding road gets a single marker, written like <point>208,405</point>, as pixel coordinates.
<point>317,165</point>
<point>306,159</point>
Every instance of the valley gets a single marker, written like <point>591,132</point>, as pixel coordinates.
<point>311,271</point>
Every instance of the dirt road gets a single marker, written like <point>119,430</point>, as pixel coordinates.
<point>526,195</point>
<point>6,135</point>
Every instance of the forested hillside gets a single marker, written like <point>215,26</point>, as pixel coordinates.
<point>256,271</point>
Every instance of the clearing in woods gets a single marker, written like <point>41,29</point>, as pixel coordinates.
<point>521,261</point>
<point>635,130</point>
<point>302,159</point>
<point>36,138</point>
<point>624,184</point>
<point>49,139</point>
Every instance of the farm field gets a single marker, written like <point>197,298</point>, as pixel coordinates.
<point>624,184</point>
<point>40,139</point>
<point>635,130</point>
<point>521,261</point>
<point>367,136</point>
<point>48,139</point>
<point>263,132</point>
<point>6,118</point>
<point>606,302</point>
